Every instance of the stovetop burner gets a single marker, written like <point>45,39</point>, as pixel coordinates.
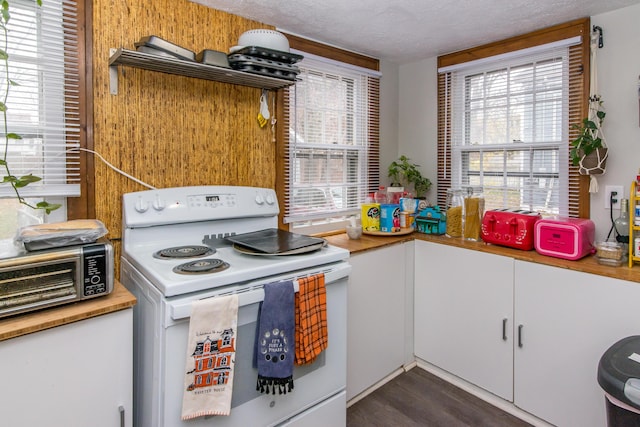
<point>190,251</point>
<point>201,266</point>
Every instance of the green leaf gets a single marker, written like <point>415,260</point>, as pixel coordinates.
<point>3,162</point>
<point>601,115</point>
<point>48,207</point>
<point>5,11</point>
<point>590,125</point>
<point>25,180</point>
<point>3,55</point>
<point>3,107</point>
<point>12,135</point>
<point>13,83</point>
<point>9,178</point>
<point>30,178</point>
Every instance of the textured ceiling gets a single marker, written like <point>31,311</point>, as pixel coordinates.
<point>404,31</point>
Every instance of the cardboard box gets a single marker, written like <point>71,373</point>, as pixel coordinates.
<point>389,218</point>
<point>370,217</point>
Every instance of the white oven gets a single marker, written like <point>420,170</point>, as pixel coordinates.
<point>161,315</point>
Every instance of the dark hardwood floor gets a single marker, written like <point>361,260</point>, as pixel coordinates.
<point>419,398</point>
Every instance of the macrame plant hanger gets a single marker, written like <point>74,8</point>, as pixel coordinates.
<point>595,104</point>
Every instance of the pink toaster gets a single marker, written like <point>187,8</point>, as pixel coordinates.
<point>568,238</point>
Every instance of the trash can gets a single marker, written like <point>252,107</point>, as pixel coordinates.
<point>619,377</point>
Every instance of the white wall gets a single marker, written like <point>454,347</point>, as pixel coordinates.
<point>389,113</point>
<point>618,72</point>
<point>418,124</point>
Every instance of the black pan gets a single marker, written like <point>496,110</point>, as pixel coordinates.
<point>276,241</point>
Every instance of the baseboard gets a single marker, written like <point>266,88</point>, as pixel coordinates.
<point>480,393</point>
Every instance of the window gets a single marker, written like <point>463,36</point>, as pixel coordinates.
<point>45,107</point>
<point>331,161</point>
<point>505,124</point>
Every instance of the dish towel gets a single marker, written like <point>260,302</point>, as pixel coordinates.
<point>275,339</point>
<point>312,335</point>
<point>208,382</point>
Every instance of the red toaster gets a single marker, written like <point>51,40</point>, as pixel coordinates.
<point>509,227</point>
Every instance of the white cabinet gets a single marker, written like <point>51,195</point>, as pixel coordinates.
<point>559,322</point>
<point>568,320</point>
<point>464,314</point>
<point>376,314</point>
<point>75,375</point>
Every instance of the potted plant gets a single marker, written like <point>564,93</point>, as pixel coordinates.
<point>405,173</point>
<point>588,149</point>
<point>8,178</point>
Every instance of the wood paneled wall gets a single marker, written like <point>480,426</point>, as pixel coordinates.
<point>167,130</point>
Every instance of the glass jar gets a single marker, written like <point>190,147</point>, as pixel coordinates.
<point>453,212</point>
<point>381,196</point>
<point>473,209</point>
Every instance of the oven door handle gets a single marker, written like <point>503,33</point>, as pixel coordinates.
<point>255,294</point>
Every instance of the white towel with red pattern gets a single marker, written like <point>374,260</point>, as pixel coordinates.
<point>211,355</point>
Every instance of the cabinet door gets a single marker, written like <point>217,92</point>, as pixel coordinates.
<point>569,319</point>
<point>463,314</point>
<point>376,316</point>
<point>74,375</point>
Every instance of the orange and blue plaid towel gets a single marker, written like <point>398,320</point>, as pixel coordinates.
<point>311,319</point>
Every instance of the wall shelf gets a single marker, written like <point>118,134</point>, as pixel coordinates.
<point>180,67</point>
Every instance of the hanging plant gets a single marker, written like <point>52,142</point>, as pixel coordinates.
<point>588,149</point>
<point>8,178</point>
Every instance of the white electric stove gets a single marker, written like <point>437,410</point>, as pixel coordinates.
<point>174,252</point>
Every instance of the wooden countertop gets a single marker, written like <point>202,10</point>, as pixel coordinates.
<point>366,242</point>
<point>588,264</point>
<point>23,324</point>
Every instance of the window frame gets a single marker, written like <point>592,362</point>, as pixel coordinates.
<point>505,160</point>
<point>72,205</point>
<point>84,206</point>
<point>578,194</point>
<point>282,155</point>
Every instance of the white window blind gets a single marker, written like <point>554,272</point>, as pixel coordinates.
<point>508,126</point>
<point>332,162</point>
<point>42,45</point>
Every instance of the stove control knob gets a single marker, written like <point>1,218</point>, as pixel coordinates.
<point>259,199</point>
<point>158,204</point>
<point>141,205</point>
<point>270,199</point>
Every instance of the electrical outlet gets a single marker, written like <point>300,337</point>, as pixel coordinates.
<point>619,194</point>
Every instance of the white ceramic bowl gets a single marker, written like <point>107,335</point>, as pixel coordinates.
<point>270,39</point>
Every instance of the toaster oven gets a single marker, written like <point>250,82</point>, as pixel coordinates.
<point>34,280</point>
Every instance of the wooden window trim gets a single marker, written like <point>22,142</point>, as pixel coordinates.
<point>579,27</point>
<point>84,205</point>
<point>332,52</point>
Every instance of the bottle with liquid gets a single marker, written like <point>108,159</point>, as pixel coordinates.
<point>621,223</point>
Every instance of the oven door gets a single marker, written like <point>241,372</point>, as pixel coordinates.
<point>318,386</point>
